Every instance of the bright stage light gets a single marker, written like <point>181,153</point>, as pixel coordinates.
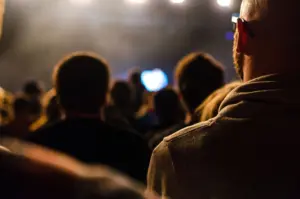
<point>154,80</point>
<point>137,1</point>
<point>81,2</point>
<point>177,1</point>
<point>224,3</point>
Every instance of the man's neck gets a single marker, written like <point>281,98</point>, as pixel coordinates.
<point>254,69</point>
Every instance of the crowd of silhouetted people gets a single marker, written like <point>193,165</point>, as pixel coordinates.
<point>97,120</point>
<point>90,135</point>
<point>117,122</point>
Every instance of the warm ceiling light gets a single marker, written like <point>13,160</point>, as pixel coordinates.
<point>224,3</point>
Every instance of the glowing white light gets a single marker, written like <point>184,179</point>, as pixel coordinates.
<point>81,2</point>
<point>154,80</point>
<point>224,3</point>
<point>177,1</point>
<point>137,1</point>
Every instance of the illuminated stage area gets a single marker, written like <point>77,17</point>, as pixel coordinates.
<point>129,33</point>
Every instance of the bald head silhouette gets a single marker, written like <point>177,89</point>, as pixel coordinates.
<point>267,41</point>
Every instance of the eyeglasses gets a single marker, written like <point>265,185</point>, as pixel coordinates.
<point>235,20</point>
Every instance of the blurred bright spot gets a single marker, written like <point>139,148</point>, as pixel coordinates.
<point>177,1</point>
<point>81,2</point>
<point>229,36</point>
<point>154,80</point>
<point>137,1</point>
<point>224,3</point>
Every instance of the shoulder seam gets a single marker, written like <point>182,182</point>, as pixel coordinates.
<point>184,131</point>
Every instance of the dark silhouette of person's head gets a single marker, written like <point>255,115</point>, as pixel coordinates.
<point>121,94</point>
<point>81,81</point>
<point>138,89</point>
<point>135,78</point>
<point>198,75</point>
<point>33,89</point>
<point>168,107</point>
<point>22,108</point>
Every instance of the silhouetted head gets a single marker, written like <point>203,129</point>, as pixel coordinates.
<point>121,94</point>
<point>22,108</point>
<point>197,76</point>
<point>135,77</point>
<point>81,81</point>
<point>33,89</point>
<point>267,38</point>
<point>168,107</point>
<point>138,89</point>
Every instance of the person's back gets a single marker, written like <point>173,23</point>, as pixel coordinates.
<point>250,149</point>
<point>93,141</point>
<point>81,133</point>
<point>32,172</point>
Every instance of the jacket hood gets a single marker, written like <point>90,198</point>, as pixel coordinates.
<point>263,96</point>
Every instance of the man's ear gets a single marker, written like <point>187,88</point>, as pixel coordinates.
<point>242,37</point>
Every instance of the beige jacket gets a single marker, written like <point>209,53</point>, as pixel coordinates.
<point>250,150</point>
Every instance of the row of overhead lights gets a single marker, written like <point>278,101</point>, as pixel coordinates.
<point>144,1</point>
<point>222,3</point>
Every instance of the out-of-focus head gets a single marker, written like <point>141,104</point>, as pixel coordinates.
<point>210,107</point>
<point>81,82</point>
<point>135,77</point>
<point>121,94</point>
<point>33,89</point>
<point>22,107</point>
<point>31,172</point>
<point>267,38</point>
<point>198,75</point>
<point>167,106</point>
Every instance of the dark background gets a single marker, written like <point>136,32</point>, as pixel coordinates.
<point>37,33</point>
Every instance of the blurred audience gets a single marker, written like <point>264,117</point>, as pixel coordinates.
<point>198,75</point>
<point>5,107</point>
<point>210,107</point>
<point>51,113</point>
<point>120,112</point>
<point>146,118</point>
<point>22,119</point>
<point>170,115</point>
<point>33,90</point>
<point>138,89</point>
<point>250,149</point>
<point>82,82</point>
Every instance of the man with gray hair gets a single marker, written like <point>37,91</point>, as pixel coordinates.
<point>250,149</point>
